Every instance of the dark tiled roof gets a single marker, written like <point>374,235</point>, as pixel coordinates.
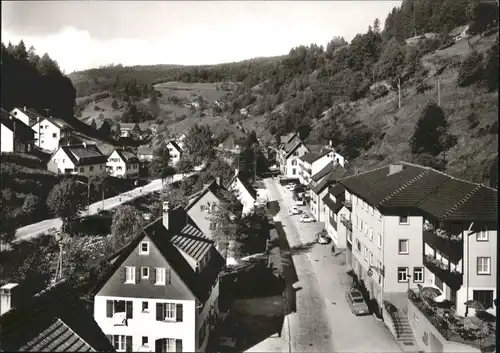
<point>289,147</point>
<point>23,131</point>
<point>245,184</point>
<point>323,172</point>
<point>335,207</point>
<point>55,320</point>
<point>336,174</point>
<point>309,157</point>
<point>432,192</point>
<point>169,243</point>
<point>145,150</point>
<point>287,138</point>
<point>127,156</point>
<point>337,190</point>
<point>128,126</point>
<point>82,155</point>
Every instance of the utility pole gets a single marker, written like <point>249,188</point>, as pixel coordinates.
<point>439,91</point>
<point>399,93</point>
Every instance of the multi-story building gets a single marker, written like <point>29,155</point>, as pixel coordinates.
<point>122,164</point>
<point>318,186</point>
<point>84,159</point>
<point>412,225</point>
<point>16,136</point>
<point>336,210</point>
<point>161,294</point>
<point>175,151</point>
<point>288,156</point>
<point>27,115</point>
<point>245,192</point>
<point>49,132</point>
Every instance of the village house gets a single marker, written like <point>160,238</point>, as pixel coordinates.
<point>16,136</point>
<point>49,132</point>
<point>288,155</point>
<point>161,294</point>
<point>82,159</point>
<point>312,162</point>
<point>145,153</point>
<point>174,151</point>
<point>123,164</point>
<point>230,144</point>
<point>412,226</point>
<point>53,320</point>
<point>129,129</point>
<point>245,192</point>
<point>27,115</point>
<point>337,207</point>
<point>318,186</point>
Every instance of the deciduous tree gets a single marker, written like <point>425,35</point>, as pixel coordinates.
<point>199,143</point>
<point>66,200</point>
<point>127,224</point>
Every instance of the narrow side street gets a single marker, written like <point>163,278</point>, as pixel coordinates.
<point>321,302</point>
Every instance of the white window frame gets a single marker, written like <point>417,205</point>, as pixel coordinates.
<point>379,240</point>
<point>169,312</point>
<point>407,219</point>
<point>169,345</point>
<point>400,271</point>
<point>357,221</point>
<point>129,274</point>
<point>144,276</point>
<point>481,263</point>
<point>141,251</point>
<point>366,229</point>
<point>482,236</point>
<point>361,224</point>
<point>371,259</point>
<point>160,280</point>
<point>365,254</point>
<point>370,233</point>
<point>401,241</point>
<point>371,210</point>
<point>358,248</point>
<point>122,343</point>
<point>418,272</point>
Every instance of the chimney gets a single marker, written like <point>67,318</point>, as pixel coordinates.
<point>6,297</point>
<point>166,211</point>
<point>24,108</point>
<point>217,180</point>
<point>84,144</point>
<point>236,172</point>
<point>395,168</point>
<point>330,143</point>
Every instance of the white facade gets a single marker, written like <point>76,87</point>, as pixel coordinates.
<point>291,167</point>
<point>243,196</point>
<point>144,323</point>
<point>307,170</point>
<point>49,137</point>
<point>117,167</point>
<point>175,154</point>
<point>60,163</point>
<point>21,115</point>
<point>7,142</point>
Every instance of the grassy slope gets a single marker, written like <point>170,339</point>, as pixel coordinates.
<point>475,149</point>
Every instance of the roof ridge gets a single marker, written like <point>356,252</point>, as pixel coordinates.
<point>367,171</point>
<point>404,186</point>
<point>462,201</point>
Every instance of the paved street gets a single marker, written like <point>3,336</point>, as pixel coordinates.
<point>34,229</point>
<point>323,321</point>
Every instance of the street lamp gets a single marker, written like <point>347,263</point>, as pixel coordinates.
<point>469,233</point>
<point>88,194</point>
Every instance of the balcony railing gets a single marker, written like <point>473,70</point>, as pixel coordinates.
<point>346,222</point>
<point>450,326</point>
<point>451,248</point>
<point>332,222</point>
<point>348,204</point>
<point>452,278</point>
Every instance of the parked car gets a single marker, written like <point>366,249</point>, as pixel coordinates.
<point>293,210</point>
<point>323,238</point>
<point>299,201</point>
<point>306,218</point>
<point>356,302</point>
<point>290,187</point>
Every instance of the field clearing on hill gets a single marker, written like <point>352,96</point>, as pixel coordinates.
<point>217,125</point>
<point>183,90</point>
<point>107,112</point>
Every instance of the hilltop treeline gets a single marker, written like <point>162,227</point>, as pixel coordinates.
<point>34,81</point>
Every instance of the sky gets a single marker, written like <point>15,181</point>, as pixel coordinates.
<point>87,34</point>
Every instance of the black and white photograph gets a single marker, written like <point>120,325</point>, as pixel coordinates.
<point>249,176</point>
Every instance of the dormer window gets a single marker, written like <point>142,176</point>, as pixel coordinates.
<point>144,248</point>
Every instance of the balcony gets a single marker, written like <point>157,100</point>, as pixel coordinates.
<point>332,222</point>
<point>348,204</point>
<point>449,245</point>
<point>454,279</point>
<point>346,222</point>
<point>441,317</point>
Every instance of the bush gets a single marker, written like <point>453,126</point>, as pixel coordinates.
<point>97,108</point>
<point>471,70</point>
<point>429,131</point>
<point>423,87</point>
<point>379,92</point>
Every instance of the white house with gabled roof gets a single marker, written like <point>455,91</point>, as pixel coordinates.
<point>161,294</point>
<point>82,159</point>
<point>122,164</point>
<point>49,131</point>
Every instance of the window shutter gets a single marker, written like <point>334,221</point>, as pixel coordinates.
<point>159,312</point>
<point>128,310</point>
<point>128,343</point>
<point>158,345</point>
<point>137,274</point>
<point>178,345</point>
<point>152,275</point>
<point>123,275</point>
<point>178,312</point>
<point>168,275</point>
<point>109,308</point>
